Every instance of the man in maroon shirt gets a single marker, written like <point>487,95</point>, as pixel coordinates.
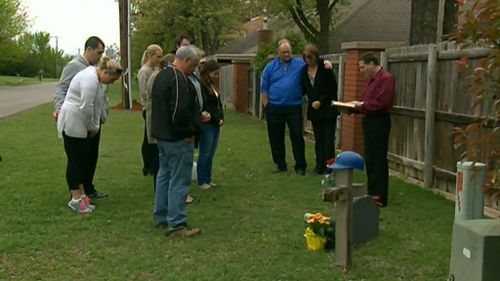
<point>378,99</point>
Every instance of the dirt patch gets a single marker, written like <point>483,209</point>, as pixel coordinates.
<point>135,106</point>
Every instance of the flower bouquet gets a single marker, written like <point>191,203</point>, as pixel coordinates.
<point>318,231</point>
<point>328,177</point>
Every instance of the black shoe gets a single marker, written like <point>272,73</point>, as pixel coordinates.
<point>300,172</point>
<point>146,171</point>
<point>280,170</point>
<point>98,196</point>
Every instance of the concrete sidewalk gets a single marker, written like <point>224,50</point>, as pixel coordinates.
<point>16,99</point>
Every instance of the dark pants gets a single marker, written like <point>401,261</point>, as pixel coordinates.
<point>77,168</point>
<point>376,130</point>
<point>148,150</point>
<point>277,117</point>
<point>94,142</point>
<point>324,145</point>
<point>155,164</point>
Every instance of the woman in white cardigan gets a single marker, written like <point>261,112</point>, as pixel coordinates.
<point>82,113</point>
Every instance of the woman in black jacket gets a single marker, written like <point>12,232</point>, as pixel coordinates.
<point>320,86</point>
<point>210,130</point>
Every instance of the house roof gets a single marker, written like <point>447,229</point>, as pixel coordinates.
<point>374,20</point>
<point>246,45</point>
<point>366,20</point>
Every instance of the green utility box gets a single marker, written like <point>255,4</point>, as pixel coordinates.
<point>475,250</point>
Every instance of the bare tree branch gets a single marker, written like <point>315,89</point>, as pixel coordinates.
<point>307,33</point>
<point>332,5</point>
<point>300,13</point>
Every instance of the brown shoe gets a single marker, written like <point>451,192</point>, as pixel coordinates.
<point>190,199</point>
<point>206,186</point>
<point>182,231</point>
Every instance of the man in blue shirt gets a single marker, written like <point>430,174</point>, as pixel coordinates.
<point>281,92</point>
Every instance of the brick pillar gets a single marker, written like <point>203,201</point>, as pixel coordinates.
<point>240,87</point>
<point>354,82</point>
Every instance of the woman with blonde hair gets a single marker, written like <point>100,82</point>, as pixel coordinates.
<point>150,60</point>
<point>82,113</point>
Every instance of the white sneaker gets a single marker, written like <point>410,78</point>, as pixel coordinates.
<point>79,206</point>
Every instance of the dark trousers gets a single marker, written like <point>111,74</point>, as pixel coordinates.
<point>94,142</point>
<point>77,168</point>
<point>324,144</point>
<point>376,130</point>
<point>277,117</point>
<point>148,150</point>
<point>155,164</point>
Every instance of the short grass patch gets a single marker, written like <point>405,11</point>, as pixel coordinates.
<point>20,81</point>
<point>252,223</point>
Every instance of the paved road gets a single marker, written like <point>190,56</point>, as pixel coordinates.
<point>15,99</point>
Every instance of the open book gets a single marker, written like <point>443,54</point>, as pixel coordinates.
<point>344,105</point>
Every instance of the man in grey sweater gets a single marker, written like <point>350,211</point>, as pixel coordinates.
<point>94,49</point>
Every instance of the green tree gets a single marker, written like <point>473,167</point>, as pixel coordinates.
<point>160,21</point>
<point>481,139</point>
<point>13,21</point>
<point>38,54</point>
<point>113,52</point>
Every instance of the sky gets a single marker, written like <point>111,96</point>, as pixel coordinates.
<point>73,21</point>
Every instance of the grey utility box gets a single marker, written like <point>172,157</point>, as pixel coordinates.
<point>475,250</point>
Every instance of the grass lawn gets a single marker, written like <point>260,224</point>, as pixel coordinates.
<point>252,223</point>
<point>20,81</point>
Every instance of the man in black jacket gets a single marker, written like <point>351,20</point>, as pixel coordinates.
<point>175,121</point>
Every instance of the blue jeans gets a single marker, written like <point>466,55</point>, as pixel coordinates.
<point>208,145</point>
<point>173,181</point>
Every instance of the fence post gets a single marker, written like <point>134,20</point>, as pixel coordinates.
<point>430,105</point>
<point>384,61</point>
<point>340,96</point>
<point>341,73</point>
<point>251,75</point>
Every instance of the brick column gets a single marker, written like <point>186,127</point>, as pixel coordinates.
<point>354,82</point>
<point>240,87</point>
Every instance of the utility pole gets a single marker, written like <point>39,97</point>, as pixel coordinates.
<point>124,52</point>
<point>57,55</point>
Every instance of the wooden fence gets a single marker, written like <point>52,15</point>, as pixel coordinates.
<point>430,100</point>
<point>226,85</point>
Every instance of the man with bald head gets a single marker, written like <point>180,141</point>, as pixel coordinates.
<point>281,92</point>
